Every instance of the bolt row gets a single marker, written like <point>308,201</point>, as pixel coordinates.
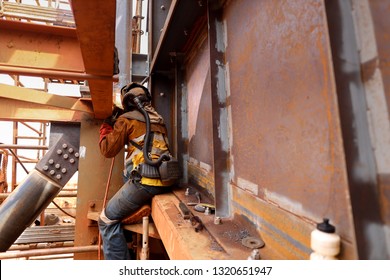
<point>57,166</point>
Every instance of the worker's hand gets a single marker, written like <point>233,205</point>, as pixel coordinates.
<point>116,112</point>
<point>110,121</point>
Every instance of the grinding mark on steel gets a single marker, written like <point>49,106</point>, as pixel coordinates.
<point>236,236</point>
<point>215,246</point>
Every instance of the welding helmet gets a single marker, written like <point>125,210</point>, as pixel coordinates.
<point>130,92</point>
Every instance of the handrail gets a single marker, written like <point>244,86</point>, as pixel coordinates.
<point>38,13</point>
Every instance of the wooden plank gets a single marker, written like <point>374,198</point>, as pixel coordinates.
<point>137,228</point>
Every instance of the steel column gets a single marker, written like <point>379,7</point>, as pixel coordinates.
<point>359,154</point>
<point>41,185</point>
<point>92,180</point>
<point>219,111</point>
<point>123,40</point>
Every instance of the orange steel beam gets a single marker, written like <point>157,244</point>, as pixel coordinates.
<point>95,28</point>
<point>60,52</point>
<point>51,73</point>
<point>16,110</point>
<point>39,97</point>
<point>38,28</point>
<point>26,46</point>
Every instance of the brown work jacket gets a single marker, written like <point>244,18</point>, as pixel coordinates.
<point>114,139</point>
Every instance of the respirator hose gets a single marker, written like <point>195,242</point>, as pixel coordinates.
<point>145,148</point>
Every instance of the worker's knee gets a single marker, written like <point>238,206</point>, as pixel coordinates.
<point>104,220</point>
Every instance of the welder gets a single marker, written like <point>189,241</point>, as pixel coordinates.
<point>142,130</point>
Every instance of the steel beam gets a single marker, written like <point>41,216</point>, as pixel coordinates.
<point>159,13</point>
<point>139,67</point>
<point>219,107</point>
<point>359,154</point>
<point>39,97</point>
<point>41,185</point>
<point>378,10</point>
<point>180,17</point>
<point>123,40</point>
<point>25,46</point>
<point>15,110</point>
<point>95,22</point>
<point>50,73</point>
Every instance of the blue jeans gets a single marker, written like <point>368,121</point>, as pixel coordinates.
<point>126,201</point>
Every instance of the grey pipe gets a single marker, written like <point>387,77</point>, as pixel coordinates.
<point>45,252</point>
<point>23,206</point>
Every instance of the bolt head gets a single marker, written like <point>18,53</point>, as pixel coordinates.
<point>217,221</point>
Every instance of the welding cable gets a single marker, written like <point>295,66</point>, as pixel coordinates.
<point>62,210</point>
<point>104,205</point>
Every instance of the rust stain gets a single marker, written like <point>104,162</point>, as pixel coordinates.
<point>284,127</point>
<point>283,232</point>
<point>201,177</point>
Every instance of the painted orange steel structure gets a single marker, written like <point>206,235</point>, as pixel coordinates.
<point>78,53</point>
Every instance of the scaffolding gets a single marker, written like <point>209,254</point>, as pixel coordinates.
<point>21,157</point>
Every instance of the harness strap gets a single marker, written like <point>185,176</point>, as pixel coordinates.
<point>139,147</point>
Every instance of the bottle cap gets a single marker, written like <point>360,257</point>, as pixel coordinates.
<point>326,227</point>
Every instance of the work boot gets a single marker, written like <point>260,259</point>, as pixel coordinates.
<point>137,215</point>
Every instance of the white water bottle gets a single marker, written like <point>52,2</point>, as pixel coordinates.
<point>325,243</point>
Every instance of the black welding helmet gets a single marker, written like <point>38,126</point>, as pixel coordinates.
<point>130,92</point>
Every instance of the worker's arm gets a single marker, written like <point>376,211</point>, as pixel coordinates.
<point>113,139</point>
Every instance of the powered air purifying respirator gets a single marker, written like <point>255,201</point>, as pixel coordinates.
<point>166,167</point>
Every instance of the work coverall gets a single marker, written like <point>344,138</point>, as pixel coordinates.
<point>136,192</point>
